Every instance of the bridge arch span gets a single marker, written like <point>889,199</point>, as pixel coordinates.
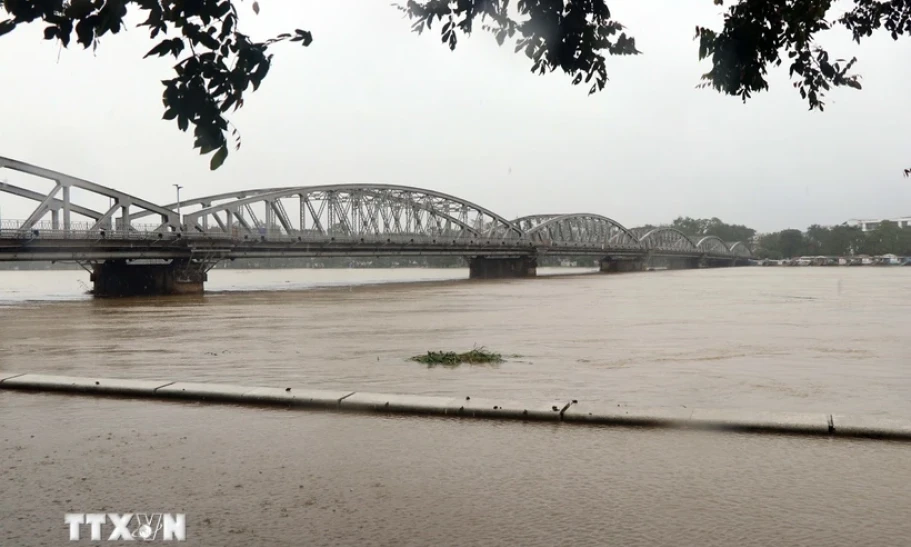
<point>741,250</point>
<point>714,245</point>
<point>203,202</point>
<point>668,239</point>
<point>61,199</point>
<point>578,229</point>
<point>351,211</point>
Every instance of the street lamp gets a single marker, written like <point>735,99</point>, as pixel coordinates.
<point>178,187</point>
<point>5,181</point>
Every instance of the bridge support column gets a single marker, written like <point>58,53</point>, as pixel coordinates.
<point>484,267</point>
<point>715,263</point>
<point>681,263</point>
<point>617,265</point>
<point>118,278</point>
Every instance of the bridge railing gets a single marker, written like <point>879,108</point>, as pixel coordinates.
<point>14,229</point>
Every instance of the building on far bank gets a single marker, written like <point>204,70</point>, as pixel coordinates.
<point>871,224</point>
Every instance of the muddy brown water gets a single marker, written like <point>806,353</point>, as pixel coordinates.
<point>792,339</point>
<point>828,339</point>
<point>271,477</point>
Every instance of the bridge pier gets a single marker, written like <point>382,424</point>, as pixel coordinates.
<point>617,265</point>
<point>716,263</point>
<point>484,267</point>
<point>118,278</point>
<point>674,262</point>
<point>682,263</point>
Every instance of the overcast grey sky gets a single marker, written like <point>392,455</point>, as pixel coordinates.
<point>369,101</point>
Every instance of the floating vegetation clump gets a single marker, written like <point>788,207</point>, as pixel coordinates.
<point>453,359</point>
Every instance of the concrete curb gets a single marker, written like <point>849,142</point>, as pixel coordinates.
<point>450,406</point>
<point>572,412</point>
<point>71,384</point>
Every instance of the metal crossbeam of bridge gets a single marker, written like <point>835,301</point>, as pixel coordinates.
<point>308,221</point>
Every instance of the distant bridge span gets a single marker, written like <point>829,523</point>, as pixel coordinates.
<point>99,226</point>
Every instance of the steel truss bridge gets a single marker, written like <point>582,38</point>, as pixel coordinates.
<point>305,221</point>
<point>116,240</point>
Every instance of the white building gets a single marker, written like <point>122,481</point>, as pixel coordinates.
<point>871,224</point>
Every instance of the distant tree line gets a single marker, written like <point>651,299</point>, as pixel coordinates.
<point>841,240</point>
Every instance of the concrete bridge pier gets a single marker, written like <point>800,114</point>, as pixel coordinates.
<point>681,263</point>
<point>489,267</point>
<point>716,263</point>
<point>617,265</point>
<point>114,278</point>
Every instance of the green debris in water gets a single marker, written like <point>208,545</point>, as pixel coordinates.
<point>453,359</point>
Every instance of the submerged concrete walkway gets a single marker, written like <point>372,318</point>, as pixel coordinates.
<point>571,411</point>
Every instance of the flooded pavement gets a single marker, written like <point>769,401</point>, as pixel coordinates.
<point>272,477</point>
<point>789,339</point>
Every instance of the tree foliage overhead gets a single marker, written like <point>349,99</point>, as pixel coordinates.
<point>576,35</point>
<point>216,63</point>
<point>571,35</point>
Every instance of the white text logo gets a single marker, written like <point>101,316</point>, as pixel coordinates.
<point>128,526</point>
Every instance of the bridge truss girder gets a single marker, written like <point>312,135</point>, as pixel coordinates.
<point>192,204</point>
<point>578,229</point>
<point>714,245</point>
<point>741,250</point>
<point>371,211</point>
<point>669,239</point>
<point>343,216</point>
<point>51,204</point>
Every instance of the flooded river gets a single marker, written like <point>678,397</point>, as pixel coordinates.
<point>252,477</point>
<point>827,339</point>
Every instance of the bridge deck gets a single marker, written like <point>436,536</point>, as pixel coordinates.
<point>60,246</point>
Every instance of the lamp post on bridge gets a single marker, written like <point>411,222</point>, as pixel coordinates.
<point>179,221</point>
<point>1,212</point>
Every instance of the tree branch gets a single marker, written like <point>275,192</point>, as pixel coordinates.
<point>204,88</point>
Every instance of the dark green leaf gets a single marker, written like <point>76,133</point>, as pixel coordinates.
<point>205,147</point>
<point>85,33</point>
<point>7,26</point>
<point>218,158</point>
<point>161,49</point>
<point>303,36</point>
<point>208,41</point>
